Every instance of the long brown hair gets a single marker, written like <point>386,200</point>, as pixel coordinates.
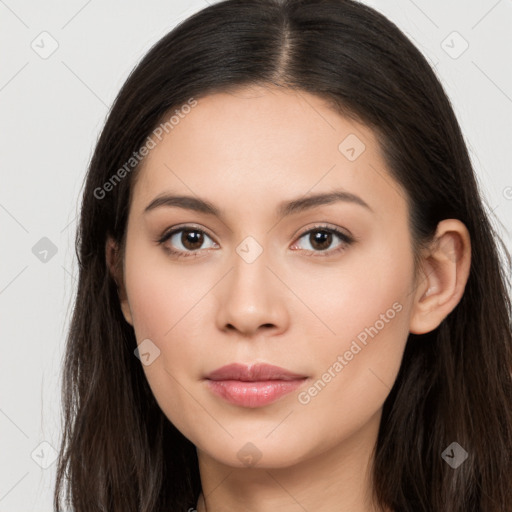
<point>119,452</point>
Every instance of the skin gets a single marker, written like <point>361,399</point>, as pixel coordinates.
<point>245,152</point>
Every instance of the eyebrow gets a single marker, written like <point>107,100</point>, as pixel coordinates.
<point>284,208</point>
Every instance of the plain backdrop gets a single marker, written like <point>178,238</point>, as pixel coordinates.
<point>63,62</point>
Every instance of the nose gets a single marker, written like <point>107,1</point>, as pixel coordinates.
<point>252,300</point>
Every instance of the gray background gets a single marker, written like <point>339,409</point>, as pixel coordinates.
<point>52,110</point>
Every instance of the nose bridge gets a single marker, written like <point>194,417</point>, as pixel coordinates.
<point>250,250</point>
<point>250,298</point>
<point>250,275</point>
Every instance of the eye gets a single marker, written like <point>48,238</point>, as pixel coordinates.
<point>321,238</point>
<point>185,241</point>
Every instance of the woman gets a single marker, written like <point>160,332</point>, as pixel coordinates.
<point>290,295</point>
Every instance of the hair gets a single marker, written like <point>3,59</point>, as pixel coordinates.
<point>119,452</point>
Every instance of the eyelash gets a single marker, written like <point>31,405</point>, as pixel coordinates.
<point>345,239</point>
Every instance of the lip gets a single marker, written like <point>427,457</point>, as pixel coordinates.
<point>253,385</point>
<point>252,373</point>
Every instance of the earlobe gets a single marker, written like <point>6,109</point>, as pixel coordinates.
<point>445,271</point>
<point>114,265</point>
<point>125,308</point>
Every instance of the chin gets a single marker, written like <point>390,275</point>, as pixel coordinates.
<point>257,453</point>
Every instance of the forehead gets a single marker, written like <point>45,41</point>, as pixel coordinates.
<point>262,143</point>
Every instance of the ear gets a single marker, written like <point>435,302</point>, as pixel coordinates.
<point>443,276</point>
<point>114,263</point>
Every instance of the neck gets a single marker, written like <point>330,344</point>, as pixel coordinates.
<point>339,478</point>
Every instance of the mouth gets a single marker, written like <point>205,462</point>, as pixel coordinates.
<point>253,385</point>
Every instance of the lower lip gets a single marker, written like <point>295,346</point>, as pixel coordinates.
<point>253,394</point>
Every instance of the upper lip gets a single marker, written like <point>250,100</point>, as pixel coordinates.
<point>252,373</point>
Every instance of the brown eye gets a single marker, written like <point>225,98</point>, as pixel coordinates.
<point>185,241</point>
<point>321,238</point>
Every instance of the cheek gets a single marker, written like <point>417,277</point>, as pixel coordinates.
<point>364,309</point>
<point>170,306</point>
<point>346,298</point>
<point>355,377</point>
<point>166,307</point>
<point>162,296</point>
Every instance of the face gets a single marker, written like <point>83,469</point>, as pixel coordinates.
<point>321,288</point>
